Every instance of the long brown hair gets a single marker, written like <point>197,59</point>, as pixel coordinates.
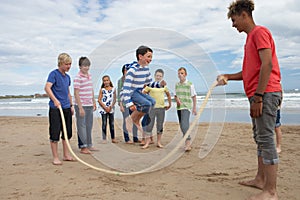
<point>106,76</point>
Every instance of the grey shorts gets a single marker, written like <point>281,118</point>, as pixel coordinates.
<point>159,115</point>
<point>263,128</point>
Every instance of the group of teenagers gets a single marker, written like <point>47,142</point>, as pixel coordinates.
<point>260,75</point>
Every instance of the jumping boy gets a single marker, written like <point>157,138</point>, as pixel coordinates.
<point>137,77</point>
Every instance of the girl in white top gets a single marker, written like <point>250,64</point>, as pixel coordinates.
<point>107,100</point>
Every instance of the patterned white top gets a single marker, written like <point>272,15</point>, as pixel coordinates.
<point>107,99</point>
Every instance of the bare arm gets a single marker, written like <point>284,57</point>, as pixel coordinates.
<point>224,78</point>
<point>114,99</point>
<point>70,99</point>
<point>94,102</point>
<point>78,101</point>
<point>265,56</point>
<point>50,94</point>
<point>169,100</point>
<point>194,105</point>
<point>265,70</point>
<point>100,99</point>
<point>177,100</point>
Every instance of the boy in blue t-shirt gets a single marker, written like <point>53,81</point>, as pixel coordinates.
<point>57,88</point>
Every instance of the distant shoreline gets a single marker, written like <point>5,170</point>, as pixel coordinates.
<point>16,96</point>
<point>24,96</point>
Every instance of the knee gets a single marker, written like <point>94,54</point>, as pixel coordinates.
<point>153,102</point>
<point>148,103</point>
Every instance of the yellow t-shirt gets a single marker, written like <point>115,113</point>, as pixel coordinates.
<point>158,94</point>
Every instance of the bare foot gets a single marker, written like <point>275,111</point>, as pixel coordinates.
<point>85,151</point>
<point>129,124</point>
<point>56,162</point>
<point>187,148</point>
<point>114,141</point>
<point>265,195</point>
<point>145,146</point>
<point>159,145</point>
<point>69,158</point>
<point>253,183</point>
<point>93,149</point>
<point>278,149</point>
<point>129,142</point>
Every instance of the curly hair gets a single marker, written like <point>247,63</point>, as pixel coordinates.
<point>238,6</point>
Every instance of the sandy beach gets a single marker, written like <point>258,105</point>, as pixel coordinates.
<point>27,171</point>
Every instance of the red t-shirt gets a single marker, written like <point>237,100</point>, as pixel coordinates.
<point>259,38</point>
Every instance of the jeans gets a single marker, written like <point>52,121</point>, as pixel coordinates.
<point>184,121</point>
<point>278,124</point>
<point>110,117</point>
<point>125,131</point>
<point>263,128</point>
<point>84,126</point>
<point>143,102</point>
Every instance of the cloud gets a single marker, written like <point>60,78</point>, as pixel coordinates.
<point>33,33</point>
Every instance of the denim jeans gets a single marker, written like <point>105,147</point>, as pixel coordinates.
<point>84,126</point>
<point>184,121</point>
<point>143,102</point>
<point>110,117</point>
<point>278,124</point>
<point>125,131</point>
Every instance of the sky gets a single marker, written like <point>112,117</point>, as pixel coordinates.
<point>191,33</point>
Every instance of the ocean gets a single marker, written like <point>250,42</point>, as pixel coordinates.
<point>230,107</point>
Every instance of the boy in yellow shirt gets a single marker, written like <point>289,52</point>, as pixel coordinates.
<point>158,111</point>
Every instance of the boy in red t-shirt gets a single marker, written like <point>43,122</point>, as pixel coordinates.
<point>261,78</point>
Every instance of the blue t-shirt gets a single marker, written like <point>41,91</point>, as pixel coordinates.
<point>60,88</point>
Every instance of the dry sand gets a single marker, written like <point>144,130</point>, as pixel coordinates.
<point>27,172</point>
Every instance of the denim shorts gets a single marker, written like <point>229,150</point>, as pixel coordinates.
<point>143,102</point>
<point>263,128</point>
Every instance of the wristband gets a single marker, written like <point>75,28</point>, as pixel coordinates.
<point>259,95</point>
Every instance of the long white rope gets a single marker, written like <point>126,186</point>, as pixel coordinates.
<point>203,105</point>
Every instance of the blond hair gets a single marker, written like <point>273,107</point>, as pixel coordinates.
<point>63,58</point>
<point>238,6</point>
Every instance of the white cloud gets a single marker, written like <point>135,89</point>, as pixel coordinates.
<point>33,33</point>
